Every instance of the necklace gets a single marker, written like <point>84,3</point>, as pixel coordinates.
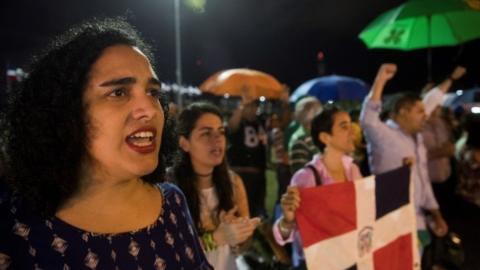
<point>203,175</point>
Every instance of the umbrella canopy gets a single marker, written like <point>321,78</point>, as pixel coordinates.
<point>471,96</point>
<point>420,24</point>
<point>332,88</point>
<point>234,82</point>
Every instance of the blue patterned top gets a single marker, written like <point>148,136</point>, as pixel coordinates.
<point>171,242</point>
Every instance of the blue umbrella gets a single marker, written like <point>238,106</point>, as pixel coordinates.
<point>332,88</point>
<point>464,97</point>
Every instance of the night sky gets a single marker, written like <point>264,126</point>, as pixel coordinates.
<point>281,37</point>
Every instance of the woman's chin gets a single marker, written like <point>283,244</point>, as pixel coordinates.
<point>146,169</point>
<point>215,163</point>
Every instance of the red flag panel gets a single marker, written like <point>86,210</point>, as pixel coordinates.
<point>330,212</point>
<point>397,255</point>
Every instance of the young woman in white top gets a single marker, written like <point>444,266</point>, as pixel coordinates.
<point>216,196</point>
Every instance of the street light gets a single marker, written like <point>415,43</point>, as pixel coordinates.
<point>197,6</point>
<point>178,50</point>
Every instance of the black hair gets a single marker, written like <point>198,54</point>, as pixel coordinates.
<point>46,127</point>
<point>401,101</point>
<point>323,122</point>
<point>183,172</point>
<point>354,114</point>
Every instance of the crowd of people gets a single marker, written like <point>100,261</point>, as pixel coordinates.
<point>98,174</point>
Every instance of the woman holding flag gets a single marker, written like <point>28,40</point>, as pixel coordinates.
<point>332,133</point>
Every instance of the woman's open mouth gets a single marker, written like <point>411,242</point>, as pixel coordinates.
<point>217,152</point>
<point>142,140</point>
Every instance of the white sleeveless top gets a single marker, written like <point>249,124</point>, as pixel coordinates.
<point>221,257</point>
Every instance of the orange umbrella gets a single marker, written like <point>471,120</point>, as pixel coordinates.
<point>235,82</point>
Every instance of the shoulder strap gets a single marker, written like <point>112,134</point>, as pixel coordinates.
<point>318,181</point>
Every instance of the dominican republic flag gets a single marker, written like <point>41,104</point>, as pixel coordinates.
<point>364,224</point>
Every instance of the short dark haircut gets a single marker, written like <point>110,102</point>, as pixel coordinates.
<point>183,173</point>
<point>45,129</point>
<point>401,101</point>
<point>323,122</point>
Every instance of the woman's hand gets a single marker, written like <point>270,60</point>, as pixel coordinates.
<point>290,202</point>
<point>438,226</point>
<point>229,216</point>
<point>236,232</point>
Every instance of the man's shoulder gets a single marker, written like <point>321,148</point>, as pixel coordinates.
<point>302,142</point>
<point>299,134</point>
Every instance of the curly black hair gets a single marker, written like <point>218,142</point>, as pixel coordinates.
<point>183,173</point>
<point>45,125</point>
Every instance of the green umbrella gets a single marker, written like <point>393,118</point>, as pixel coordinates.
<point>419,24</point>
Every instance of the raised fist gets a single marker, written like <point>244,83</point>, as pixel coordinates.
<point>458,72</point>
<point>386,71</point>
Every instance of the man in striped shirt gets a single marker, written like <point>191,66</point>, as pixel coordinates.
<point>300,147</point>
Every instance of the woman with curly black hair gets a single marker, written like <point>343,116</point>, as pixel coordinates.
<point>86,139</point>
<point>216,196</point>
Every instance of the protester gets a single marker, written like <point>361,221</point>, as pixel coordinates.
<point>360,153</point>
<point>86,142</point>
<point>278,145</point>
<point>247,152</point>
<point>435,97</point>
<point>216,196</point>
<point>438,135</point>
<point>331,132</point>
<point>440,147</point>
<point>301,148</point>
<point>397,142</point>
<point>468,159</point>
<point>279,155</point>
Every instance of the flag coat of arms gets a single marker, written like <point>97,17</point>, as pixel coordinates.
<point>364,224</point>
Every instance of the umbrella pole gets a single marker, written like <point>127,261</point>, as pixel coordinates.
<point>429,65</point>
<point>178,52</point>
<point>429,52</point>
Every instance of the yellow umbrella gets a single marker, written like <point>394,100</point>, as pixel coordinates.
<point>235,82</point>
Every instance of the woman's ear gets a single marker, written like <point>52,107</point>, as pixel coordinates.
<point>324,137</point>
<point>184,144</point>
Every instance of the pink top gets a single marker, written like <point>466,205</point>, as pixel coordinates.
<point>304,178</point>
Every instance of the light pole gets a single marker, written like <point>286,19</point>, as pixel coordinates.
<point>178,51</point>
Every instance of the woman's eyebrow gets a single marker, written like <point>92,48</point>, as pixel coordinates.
<point>154,81</point>
<point>119,81</point>
<point>127,81</point>
<point>211,128</point>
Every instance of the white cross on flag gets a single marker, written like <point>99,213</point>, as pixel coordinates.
<point>364,224</point>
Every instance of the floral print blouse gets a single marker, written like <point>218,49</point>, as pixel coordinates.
<point>171,242</point>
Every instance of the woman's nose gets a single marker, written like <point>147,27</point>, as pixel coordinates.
<point>351,132</point>
<point>145,107</point>
<point>216,136</point>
